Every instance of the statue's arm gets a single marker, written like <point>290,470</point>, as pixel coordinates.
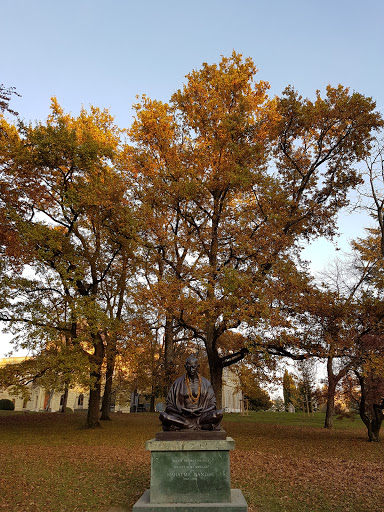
<point>172,402</point>
<point>171,408</point>
<point>210,408</point>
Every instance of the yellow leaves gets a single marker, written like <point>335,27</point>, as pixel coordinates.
<point>57,110</point>
<point>231,342</point>
<point>213,134</point>
<point>75,156</point>
<point>215,95</point>
<point>7,129</point>
<point>9,142</point>
<point>97,124</point>
<point>157,134</point>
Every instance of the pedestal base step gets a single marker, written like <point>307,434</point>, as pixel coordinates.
<point>237,504</point>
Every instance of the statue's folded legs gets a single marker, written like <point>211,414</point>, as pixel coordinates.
<point>207,421</point>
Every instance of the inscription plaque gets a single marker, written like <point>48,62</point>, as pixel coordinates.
<point>184,477</point>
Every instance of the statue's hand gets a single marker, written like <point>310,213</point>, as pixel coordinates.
<point>192,412</point>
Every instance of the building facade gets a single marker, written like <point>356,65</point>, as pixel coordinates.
<point>41,399</point>
<point>232,395</point>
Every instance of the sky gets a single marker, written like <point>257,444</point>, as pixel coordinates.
<point>105,53</point>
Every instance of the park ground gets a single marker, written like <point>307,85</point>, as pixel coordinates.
<point>282,462</point>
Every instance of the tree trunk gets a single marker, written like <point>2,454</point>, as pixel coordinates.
<point>96,361</point>
<point>373,424</point>
<point>377,421</point>
<point>215,366</point>
<point>169,354</point>
<point>329,415</point>
<point>310,405</point>
<point>152,403</point>
<point>217,363</point>
<point>306,404</point>
<point>217,383</point>
<point>65,399</point>
<point>48,404</point>
<point>106,403</point>
<point>94,407</point>
<point>332,383</point>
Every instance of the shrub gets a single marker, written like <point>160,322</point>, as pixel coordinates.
<point>6,405</point>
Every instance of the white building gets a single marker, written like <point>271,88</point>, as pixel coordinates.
<point>232,394</point>
<point>40,399</point>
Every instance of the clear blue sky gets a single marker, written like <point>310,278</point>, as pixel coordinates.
<point>106,52</point>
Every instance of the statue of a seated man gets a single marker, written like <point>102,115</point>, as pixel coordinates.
<point>191,402</point>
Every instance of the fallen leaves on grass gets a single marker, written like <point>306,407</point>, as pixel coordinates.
<point>50,464</point>
<point>304,469</point>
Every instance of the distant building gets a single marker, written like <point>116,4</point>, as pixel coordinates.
<point>232,394</point>
<point>291,407</point>
<point>41,399</point>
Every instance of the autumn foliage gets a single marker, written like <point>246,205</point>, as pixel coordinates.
<point>190,223</point>
<point>231,182</point>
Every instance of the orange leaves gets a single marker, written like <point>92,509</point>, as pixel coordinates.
<point>318,143</point>
<point>96,125</point>
<point>214,93</point>
<point>154,123</point>
<point>212,135</point>
<point>222,108</point>
<point>69,160</point>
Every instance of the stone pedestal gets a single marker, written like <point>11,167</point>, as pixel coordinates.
<point>191,476</point>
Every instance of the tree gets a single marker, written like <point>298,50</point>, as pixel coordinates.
<point>115,293</point>
<point>13,252</point>
<point>9,241</point>
<point>369,360</point>
<point>289,390</point>
<point>79,229</point>
<point>372,403</point>
<point>368,375</point>
<point>335,316</point>
<point>5,98</point>
<point>366,359</point>
<point>369,368</point>
<point>324,322</point>
<point>341,314</point>
<point>258,398</point>
<point>239,181</point>
<point>155,303</point>
<point>306,386</point>
<point>56,369</point>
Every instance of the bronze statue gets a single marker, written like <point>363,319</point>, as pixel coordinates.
<point>191,402</point>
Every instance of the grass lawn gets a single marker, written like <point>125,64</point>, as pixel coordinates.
<point>282,462</point>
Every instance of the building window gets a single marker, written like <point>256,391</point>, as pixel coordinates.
<point>80,400</point>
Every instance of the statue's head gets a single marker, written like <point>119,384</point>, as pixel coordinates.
<point>192,366</point>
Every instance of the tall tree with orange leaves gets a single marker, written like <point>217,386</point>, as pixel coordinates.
<point>10,248</point>
<point>231,182</point>
<point>77,223</point>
